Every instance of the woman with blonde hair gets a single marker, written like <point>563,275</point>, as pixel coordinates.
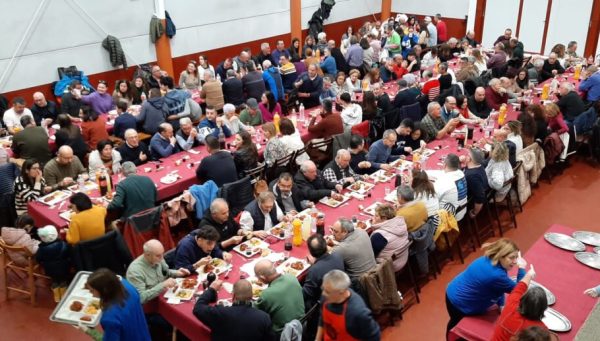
<point>480,60</point>
<point>189,78</point>
<point>514,134</point>
<point>389,236</point>
<point>554,118</point>
<point>499,170</point>
<point>274,150</point>
<point>353,81</point>
<point>484,282</point>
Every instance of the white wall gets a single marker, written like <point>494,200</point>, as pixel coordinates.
<point>447,8</point>
<point>343,10</point>
<point>64,36</point>
<point>565,15</point>
<point>210,24</point>
<point>499,15</point>
<point>471,15</point>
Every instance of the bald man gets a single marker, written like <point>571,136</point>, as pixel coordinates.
<point>43,110</point>
<point>150,274</point>
<point>283,299</point>
<point>339,171</point>
<point>478,105</point>
<point>240,321</point>
<point>63,170</point>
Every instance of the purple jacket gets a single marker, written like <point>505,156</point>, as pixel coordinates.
<point>99,103</point>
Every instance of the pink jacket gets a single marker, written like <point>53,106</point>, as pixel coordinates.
<point>557,124</point>
<point>395,232</point>
<point>19,237</point>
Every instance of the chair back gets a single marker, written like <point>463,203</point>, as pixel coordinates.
<point>412,111</point>
<point>340,141</point>
<point>7,250</point>
<point>143,226</point>
<point>280,166</point>
<point>257,173</point>
<point>321,152</point>
<point>237,194</point>
<point>108,251</point>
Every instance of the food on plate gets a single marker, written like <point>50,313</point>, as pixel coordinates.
<point>91,310</point>
<point>243,247</point>
<point>256,292</point>
<point>388,173</point>
<point>209,267</point>
<point>382,178</point>
<point>189,283</point>
<point>76,306</point>
<point>278,263</point>
<point>337,197</point>
<point>183,294</point>
<point>297,265</point>
<point>276,231</point>
<point>361,225</point>
<point>356,186</point>
<point>265,252</point>
<point>332,202</point>
<point>86,318</point>
<point>254,241</point>
<point>49,198</point>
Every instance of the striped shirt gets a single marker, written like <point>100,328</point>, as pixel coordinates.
<point>25,193</point>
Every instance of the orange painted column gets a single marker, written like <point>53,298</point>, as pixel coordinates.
<point>296,20</point>
<point>386,9</point>
<point>163,53</point>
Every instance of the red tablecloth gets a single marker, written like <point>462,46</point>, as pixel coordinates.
<point>567,285</point>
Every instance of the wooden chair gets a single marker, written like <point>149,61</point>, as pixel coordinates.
<point>257,173</point>
<point>320,152</point>
<point>31,270</point>
<point>507,200</point>
<point>143,136</point>
<point>407,269</point>
<point>280,166</point>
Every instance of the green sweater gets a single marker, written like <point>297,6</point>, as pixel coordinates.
<point>32,142</point>
<point>250,120</point>
<point>147,279</point>
<point>55,172</point>
<point>134,194</point>
<point>282,300</point>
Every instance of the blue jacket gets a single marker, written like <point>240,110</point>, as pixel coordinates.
<point>204,195</point>
<point>122,123</point>
<point>159,147</point>
<point>274,83</point>
<point>188,252</point>
<point>152,114</point>
<point>380,154</point>
<point>207,127</point>
<point>329,66</point>
<point>480,286</point>
<point>125,322</point>
<point>175,101</point>
<point>592,86</point>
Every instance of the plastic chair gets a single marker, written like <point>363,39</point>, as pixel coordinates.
<point>31,270</point>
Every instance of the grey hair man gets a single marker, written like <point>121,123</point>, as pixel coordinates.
<point>135,193</point>
<point>338,170</point>
<point>261,214</point>
<point>413,211</point>
<point>569,102</point>
<point>187,136</point>
<point>313,186</point>
<point>354,248</point>
<point>380,152</point>
<point>150,274</point>
<point>434,126</point>
<point>133,149</point>
<point>218,216</point>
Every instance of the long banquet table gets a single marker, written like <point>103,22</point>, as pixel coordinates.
<point>557,270</point>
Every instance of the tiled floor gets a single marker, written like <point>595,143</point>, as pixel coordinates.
<point>572,200</point>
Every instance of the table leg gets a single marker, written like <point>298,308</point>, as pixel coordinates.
<point>174,335</point>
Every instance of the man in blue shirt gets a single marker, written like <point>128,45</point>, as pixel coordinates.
<point>591,83</point>
<point>124,121</point>
<point>448,111</point>
<point>354,55</point>
<point>280,51</point>
<point>328,64</point>
<point>163,143</point>
<point>327,93</point>
<point>198,248</point>
<point>212,125</point>
<point>272,80</point>
<point>380,152</point>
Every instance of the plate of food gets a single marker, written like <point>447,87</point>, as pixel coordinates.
<point>278,231</point>
<point>401,164</point>
<point>335,200</point>
<point>587,237</point>
<point>425,152</point>
<point>79,309</point>
<point>294,266</point>
<point>361,187</point>
<point>382,175</point>
<point>257,287</point>
<point>363,224</point>
<point>54,197</point>
<point>564,242</point>
<point>89,185</point>
<point>392,197</point>
<point>371,208</point>
<point>251,247</point>
<point>216,265</point>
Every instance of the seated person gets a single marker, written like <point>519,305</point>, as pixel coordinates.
<point>351,113</point>
<point>217,216</point>
<point>240,321</point>
<point>261,215</point>
<point>322,262</point>
<point>187,136</point>
<point>288,73</point>
<point>413,211</point>
<point>478,105</point>
<point>500,135</point>
<point>406,95</point>
<point>309,85</point>
<point>389,236</point>
<point>287,194</point>
<point>499,171</point>
<point>232,120</point>
<point>495,94</point>
<point>87,221</point>
<point>63,170</point>
<point>93,127</point>
<point>251,116</point>
<point>358,156</point>
<point>354,248</point>
<point>124,121</point>
<point>477,182</point>
<point>163,143</point>
<point>70,134</point>
<point>312,184</point>
<point>31,142</point>
<point>380,152</point>
<point>451,187</point>
<point>551,67</point>
<point>218,166</point>
<point>18,236</point>
<point>135,193</point>
<point>133,149</point>
<point>338,170</point>
<point>245,155</point>
<point>44,112</point>
<point>150,274</point>
<point>433,124</point>
<point>403,133</point>
<point>330,124</point>
<point>104,157</point>
<point>198,248</point>
<point>282,300</point>
<point>151,114</point>
<point>12,116</point>
<point>54,255</point>
<point>212,125</point>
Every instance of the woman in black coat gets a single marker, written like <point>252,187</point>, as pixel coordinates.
<point>246,156</point>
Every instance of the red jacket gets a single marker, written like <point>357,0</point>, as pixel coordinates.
<point>442,31</point>
<point>557,124</point>
<point>328,126</point>
<point>494,99</point>
<point>511,322</point>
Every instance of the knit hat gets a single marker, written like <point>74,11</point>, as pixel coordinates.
<point>251,103</point>
<point>47,233</point>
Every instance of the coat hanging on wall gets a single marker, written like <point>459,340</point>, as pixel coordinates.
<point>156,29</point>
<point>115,51</point>
<point>171,29</point>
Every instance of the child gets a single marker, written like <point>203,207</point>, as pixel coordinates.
<point>54,256</point>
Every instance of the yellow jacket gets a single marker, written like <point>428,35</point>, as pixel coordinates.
<point>87,225</point>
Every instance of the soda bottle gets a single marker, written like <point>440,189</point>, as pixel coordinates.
<point>221,139</point>
<point>276,120</point>
<point>103,184</point>
<point>321,224</point>
<point>297,226</point>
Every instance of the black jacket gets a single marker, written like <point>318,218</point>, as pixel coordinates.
<point>226,230</point>
<point>296,196</point>
<point>311,290</point>
<point>384,103</point>
<point>571,105</point>
<point>244,160</point>
<point>55,258</point>
<point>218,167</point>
<point>133,154</point>
<point>313,190</point>
<point>258,217</point>
<point>239,322</point>
<point>479,109</point>
<point>340,61</point>
<point>70,105</point>
<point>254,86</point>
<point>406,97</point>
<point>233,91</point>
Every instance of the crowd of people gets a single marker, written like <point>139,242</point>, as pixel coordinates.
<point>454,82</point>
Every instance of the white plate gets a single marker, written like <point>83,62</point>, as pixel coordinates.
<point>54,197</point>
<point>392,197</point>
<point>332,202</point>
<point>251,247</point>
<point>360,187</point>
<point>587,237</point>
<point>286,266</point>
<point>556,321</point>
<point>66,215</point>
<point>549,295</point>
<point>381,176</point>
<point>371,208</point>
<point>564,242</point>
<point>220,266</point>
<point>169,179</point>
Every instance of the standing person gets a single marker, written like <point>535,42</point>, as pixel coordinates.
<point>233,89</point>
<point>218,166</point>
<point>31,142</point>
<point>484,282</point>
<point>29,186</point>
<point>442,30</point>
<point>212,91</point>
<point>344,314</point>
<point>135,193</point>
<point>240,321</point>
<point>93,127</point>
<point>351,112</point>
<point>393,42</point>
<point>100,101</point>
<point>122,314</point>
<point>432,29</point>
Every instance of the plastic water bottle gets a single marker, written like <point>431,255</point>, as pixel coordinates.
<point>81,183</point>
<point>302,117</point>
<point>219,78</point>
